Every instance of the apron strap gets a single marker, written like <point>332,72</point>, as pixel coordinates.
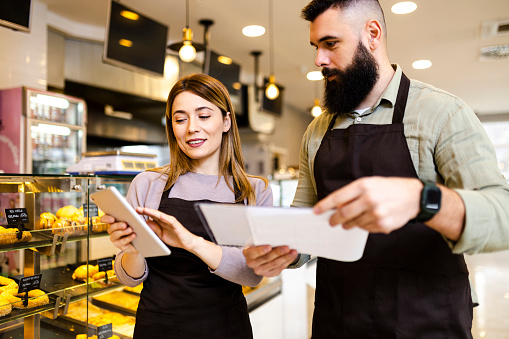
<point>399,107</point>
<point>236,192</point>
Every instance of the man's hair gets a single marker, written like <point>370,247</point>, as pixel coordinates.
<point>317,7</point>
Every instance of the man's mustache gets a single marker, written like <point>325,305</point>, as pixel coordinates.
<point>327,72</point>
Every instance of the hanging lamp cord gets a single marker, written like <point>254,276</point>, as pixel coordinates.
<point>187,13</point>
<point>271,38</point>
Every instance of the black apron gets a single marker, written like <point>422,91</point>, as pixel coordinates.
<point>181,298</point>
<point>408,284</point>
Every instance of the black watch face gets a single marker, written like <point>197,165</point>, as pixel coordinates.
<point>433,197</point>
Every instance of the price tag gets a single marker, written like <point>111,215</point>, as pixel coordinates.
<point>29,283</point>
<point>104,264</point>
<point>16,216</point>
<point>105,331</point>
<point>93,210</point>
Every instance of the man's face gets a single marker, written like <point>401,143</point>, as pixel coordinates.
<point>349,68</point>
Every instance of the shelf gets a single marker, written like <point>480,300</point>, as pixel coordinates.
<point>23,313</point>
<point>268,289</point>
<point>45,238</point>
<point>59,279</point>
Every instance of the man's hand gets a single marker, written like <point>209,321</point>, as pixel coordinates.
<point>267,261</point>
<point>376,204</point>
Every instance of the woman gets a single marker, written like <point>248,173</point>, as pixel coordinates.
<point>196,291</point>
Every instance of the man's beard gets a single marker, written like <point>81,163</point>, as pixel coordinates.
<point>350,87</point>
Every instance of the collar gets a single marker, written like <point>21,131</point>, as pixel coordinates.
<point>389,95</point>
<point>391,92</point>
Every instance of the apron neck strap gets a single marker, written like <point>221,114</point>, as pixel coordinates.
<point>401,99</point>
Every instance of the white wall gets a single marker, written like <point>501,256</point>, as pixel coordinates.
<point>23,60</point>
<point>83,63</point>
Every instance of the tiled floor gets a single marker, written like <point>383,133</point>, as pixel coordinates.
<point>490,275</point>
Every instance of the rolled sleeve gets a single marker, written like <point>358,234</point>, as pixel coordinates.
<point>125,278</point>
<point>486,222</point>
<point>233,268</point>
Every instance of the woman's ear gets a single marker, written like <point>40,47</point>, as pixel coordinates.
<point>227,122</point>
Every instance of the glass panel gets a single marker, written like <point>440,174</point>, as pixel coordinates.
<point>54,147</point>
<point>56,251</point>
<point>55,108</point>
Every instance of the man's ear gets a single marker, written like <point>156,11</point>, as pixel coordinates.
<point>374,31</point>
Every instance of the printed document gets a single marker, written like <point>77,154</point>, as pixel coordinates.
<point>298,228</point>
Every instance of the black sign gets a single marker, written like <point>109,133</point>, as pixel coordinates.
<point>16,216</point>
<point>29,283</point>
<point>105,331</point>
<point>104,264</point>
<point>93,210</point>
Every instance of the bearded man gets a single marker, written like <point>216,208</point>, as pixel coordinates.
<point>406,161</point>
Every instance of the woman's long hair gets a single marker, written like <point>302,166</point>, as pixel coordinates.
<point>231,162</point>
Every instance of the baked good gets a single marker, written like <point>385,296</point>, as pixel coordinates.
<point>66,211</point>
<point>80,273</point>
<point>10,236</point>
<point>35,298</point>
<point>7,284</point>
<point>79,222</point>
<point>46,220</point>
<point>101,275</point>
<point>5,306</point>
<point>98,226</point>
<point>62,226</point>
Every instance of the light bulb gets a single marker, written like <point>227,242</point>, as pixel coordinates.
<point>272,92</point>
<point>316,111</point>
<point>187,52</point>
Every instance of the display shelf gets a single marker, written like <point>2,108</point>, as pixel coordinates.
<point>69,326</point>
<point>17,314</point>
<point>60,279</point>
<point>66,245</point>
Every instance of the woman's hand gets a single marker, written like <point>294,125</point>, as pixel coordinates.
<point>121,235</point>
<point>169,229</point>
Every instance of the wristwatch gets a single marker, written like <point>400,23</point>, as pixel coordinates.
<point>431,197</point>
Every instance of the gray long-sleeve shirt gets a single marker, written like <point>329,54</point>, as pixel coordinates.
<point>146,191</point>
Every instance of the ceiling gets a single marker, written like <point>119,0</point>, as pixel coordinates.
<point>446,32</point>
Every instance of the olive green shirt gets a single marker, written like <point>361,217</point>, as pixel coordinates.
<point>448,145</point>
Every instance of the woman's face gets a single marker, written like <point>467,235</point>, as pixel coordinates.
<point>198,126</point>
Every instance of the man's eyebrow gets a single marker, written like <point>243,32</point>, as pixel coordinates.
<point>325,38</point>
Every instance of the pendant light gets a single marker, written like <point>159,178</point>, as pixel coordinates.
<point>186,49</point>
<point>271,92</point>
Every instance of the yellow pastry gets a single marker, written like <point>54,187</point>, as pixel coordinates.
<point>47,219</point>
<point>35,298</point>
<point>81,272</point>
<point>10,236</point>
<point>5,306</point>
<point>66,211</point>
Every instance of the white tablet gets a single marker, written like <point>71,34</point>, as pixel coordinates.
<point>111,202</point>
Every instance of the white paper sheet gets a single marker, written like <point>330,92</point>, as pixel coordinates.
<point>299,228</point>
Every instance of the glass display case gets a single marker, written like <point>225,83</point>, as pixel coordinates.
<point>54,242</point>
<point>63,241</point>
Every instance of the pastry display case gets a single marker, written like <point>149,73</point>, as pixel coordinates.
<point>51,245</point>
